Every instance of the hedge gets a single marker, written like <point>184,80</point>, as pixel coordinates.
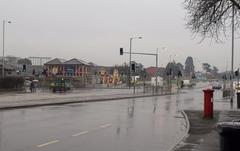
<point>11,82</point>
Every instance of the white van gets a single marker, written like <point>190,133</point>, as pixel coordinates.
<point>187,83</point>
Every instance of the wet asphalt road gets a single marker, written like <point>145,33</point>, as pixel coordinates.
<point>144,124</point>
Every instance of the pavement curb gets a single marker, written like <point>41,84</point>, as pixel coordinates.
<point>75,101</point>
<point>187,120</point>
<point>184,136</point>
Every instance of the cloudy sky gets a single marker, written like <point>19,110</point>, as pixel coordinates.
<point>94,30</point>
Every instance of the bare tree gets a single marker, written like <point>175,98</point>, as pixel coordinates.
<point>211,18</point>
<point>24,61</point>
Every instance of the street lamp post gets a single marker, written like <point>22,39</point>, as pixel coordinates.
<point>3,66</point>
<point>232,59</point>
<point>163,48</point>
<point>157,72</point>
<point>170,72</point>
<point>130,59</point>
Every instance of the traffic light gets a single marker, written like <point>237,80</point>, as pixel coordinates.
<point>179,74</point>
<point>237,73</point>
<point>24,68</point>
<point>170,71</point>
<point>45,72</point>
<point>224,77</point>
<point>133,67</point>
<point>33,72</point>
<point>193,76</point>
<point>121,51</point>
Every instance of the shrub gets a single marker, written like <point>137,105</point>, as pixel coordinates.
<point>11,83</point>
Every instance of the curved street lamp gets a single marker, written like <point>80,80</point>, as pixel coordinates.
<point>130,50</point>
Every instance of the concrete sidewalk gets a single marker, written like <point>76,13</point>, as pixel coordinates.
<point>40,98</point>
<point>202,135</point>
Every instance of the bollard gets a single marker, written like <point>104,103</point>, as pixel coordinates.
<point>208,103</point>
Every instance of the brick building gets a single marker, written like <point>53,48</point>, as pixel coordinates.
<point>73,68</point>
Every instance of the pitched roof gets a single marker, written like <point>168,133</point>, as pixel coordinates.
<point>93,64</point>
<point>55,61</point>
<point>75,61</point>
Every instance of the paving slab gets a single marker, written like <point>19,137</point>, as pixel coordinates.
<point>19,100</point>
<point>202,134</point>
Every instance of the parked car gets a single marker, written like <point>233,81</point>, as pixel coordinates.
<point>61,85</point>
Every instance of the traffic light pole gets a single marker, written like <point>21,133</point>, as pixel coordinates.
<point>3,74</point>
<point>130,71</point>
<point>157,73</point>
<point>135,53</point>
<point>237,79</point>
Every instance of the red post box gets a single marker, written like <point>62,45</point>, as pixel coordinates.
<point>208,103</point>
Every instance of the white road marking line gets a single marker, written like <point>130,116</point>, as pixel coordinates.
<point>48,143</point>
<point>106,125</point>
<point>81,133</point>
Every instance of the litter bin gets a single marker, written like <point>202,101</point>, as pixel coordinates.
<point>229,135</point>
<point>238,100</point>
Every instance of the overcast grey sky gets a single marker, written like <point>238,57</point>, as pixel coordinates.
<point>94,30</point>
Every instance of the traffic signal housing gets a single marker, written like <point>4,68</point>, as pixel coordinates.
<point>237,73</point>
<point>45,72</point>
<point>179,74</point>
<point>224,77</point>
<point>33,72</point>
<point>121,51</point>
<point>169,72</point>
<point>24,68</point>
<point>133,67</point>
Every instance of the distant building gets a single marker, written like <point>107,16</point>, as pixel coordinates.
<point>73,68</point>
<point>105,74</point>
<point>9,70</point>
<point>151,72</point>
<point>68,68</point>
<point>39,61</point>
